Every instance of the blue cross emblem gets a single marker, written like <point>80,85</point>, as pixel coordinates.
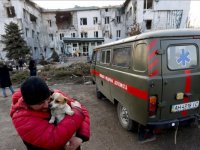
<point>183,58</point>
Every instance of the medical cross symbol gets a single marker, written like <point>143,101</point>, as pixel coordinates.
<point>183,58</point>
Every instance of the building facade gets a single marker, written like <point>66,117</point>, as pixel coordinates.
<point>28,16</point>
<point>148,15</point>
<point>78,30</point>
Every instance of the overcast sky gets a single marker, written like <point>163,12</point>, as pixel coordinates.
<point>62,4</point>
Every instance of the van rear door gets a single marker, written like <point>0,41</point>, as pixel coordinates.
<point>181,78</point>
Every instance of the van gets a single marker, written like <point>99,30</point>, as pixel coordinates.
<point>154,78</point>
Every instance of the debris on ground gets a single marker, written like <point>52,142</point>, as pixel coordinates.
<point>77,73</point>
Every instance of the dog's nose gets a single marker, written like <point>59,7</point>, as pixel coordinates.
<point>50,105</point>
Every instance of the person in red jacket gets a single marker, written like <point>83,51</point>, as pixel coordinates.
<point>30,116</point>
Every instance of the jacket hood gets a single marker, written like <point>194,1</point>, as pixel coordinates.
<point>17,103</point>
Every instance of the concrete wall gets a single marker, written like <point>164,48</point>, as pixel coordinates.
<point>109,31</point>
<point>90,28</point>
<point>165,14</point>
<point>23,11</point>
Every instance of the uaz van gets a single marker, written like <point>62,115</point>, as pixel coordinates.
<point>154,78</point>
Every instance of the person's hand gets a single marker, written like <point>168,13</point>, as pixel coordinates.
<point>75,104</point>
<point>74,143</point>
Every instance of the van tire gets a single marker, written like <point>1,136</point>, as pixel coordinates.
<point>123,117</point>
<point>99,94</point>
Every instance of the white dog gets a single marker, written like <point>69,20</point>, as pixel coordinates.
<point>59,108</point>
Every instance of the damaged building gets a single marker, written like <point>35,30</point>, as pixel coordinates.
<point>29,18</point>
<point>76,31</point>
<point>146,15</point>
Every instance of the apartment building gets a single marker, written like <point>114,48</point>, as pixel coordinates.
<point>28,16</point>
<point>76,31</point>
<point>147,15</point>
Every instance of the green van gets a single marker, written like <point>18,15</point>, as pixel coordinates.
<point>154,78</point>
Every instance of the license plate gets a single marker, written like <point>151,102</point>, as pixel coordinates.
<point>185,106</point>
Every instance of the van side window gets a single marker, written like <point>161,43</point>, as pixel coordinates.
<point>94,56</point>
<point>181,56</point>
<point>105,57</point>
<point>98,56</point>
<point>108,56</point>
<point>140,57</point>
<point>121,56</point>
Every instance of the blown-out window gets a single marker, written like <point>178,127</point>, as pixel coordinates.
<point>121,57</point>
<point>181,57</point>
<point>83,21</point>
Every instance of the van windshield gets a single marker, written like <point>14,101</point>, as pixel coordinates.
<point>181,57</point>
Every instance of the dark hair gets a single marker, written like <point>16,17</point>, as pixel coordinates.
<point>34,90</point>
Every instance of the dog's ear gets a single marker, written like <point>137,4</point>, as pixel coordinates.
<point>66,99</point>
<point>51,98</point>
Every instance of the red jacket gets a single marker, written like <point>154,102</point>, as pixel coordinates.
<point>34,127</point>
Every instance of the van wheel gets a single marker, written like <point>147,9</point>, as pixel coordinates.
<point>99,94</point>
<point>123,117</point>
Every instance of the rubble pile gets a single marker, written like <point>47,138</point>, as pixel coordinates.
<point>75,73</point>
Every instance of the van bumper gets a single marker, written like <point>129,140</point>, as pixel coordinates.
<point>175,122</point>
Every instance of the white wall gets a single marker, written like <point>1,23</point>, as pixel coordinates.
<point>160,12</point>
<point>90,27</point>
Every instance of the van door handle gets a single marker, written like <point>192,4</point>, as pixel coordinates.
<point>187,94</point>
<point>162,104</point>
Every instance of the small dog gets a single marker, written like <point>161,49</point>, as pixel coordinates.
<point>59,108</point>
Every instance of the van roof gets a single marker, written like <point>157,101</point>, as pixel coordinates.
<point>156,34</point>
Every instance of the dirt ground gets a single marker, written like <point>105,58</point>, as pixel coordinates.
<point>106,132</point>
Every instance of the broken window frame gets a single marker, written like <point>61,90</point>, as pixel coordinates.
<point>92,43</point>
<point>33,33</point>
<point>118,32</point>
<point>24,13</point>
<point>49,22</point>
<point>11,12</point>
<point>118,19</point>
<point>38,34</point>
<point>51,36</point>
<point>33,18</point>
<point>73,35</point>
<point>95,20</point>
<point>148,4</point>
<point>27,32</point>
<point>148,24</point>
<point>99,43</point>
<point>130,12</point>
<point>83,21</point>
<point>75,45</point>
<point>107,20</point>
<point>84,35</point>
<point>96,34</point>
<point>61,36</point>
<point>107,34</point>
